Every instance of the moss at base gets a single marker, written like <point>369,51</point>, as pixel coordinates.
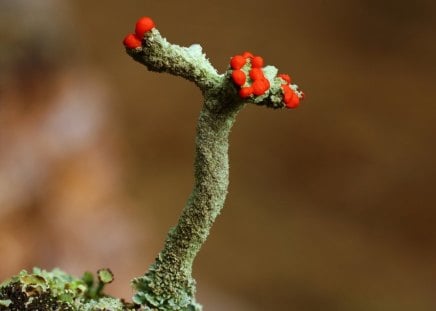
<point>57,291</point>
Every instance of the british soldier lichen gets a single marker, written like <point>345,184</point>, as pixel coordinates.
<point>168,284</point>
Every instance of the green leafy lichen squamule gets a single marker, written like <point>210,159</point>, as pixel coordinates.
<point>57,291</point>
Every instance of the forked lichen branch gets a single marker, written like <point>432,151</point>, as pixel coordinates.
<point>168,284</point>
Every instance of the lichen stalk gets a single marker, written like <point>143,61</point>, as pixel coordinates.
<point>171,274</point>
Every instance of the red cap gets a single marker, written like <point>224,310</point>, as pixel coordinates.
<point>131,41</point>
<point>237,62</point>
<point>143,25</point>
<point>257,62</point>
<point>245,92</point>
<point>239,77</point>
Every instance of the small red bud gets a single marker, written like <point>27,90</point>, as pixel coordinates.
<point>294,102</point>
<point>143,25</point>
<point>237,62</point>
<point>287,97</point>
<point>257,62</point>
<point>256,74</point>
<point>131,41</point>
<point>247,55</point>
<point>286,88</point>
<point>290,97</point>
<point>287,93</point>
<point>245,92</point>
<point>239,77</point>
<point>267,84</point>
<point>285,77</point>
<point>260,86</point>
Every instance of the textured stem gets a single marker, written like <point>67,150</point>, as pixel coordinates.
<point>168,285</point>
<point>210,187</point>
<point>157,54</point>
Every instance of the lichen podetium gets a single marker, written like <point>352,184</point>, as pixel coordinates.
<point>168,284</point>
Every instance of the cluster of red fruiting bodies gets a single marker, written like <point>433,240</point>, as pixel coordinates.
<point>247,72</point>
<point>248,75</point>
<point>259,83</point>
<point>143,25</point>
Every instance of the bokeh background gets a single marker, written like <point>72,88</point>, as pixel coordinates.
<point>331,206</point>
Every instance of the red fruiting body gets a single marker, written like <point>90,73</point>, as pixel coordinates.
<point>287,93</point>
<point>247,55</point>
<point>245,92</point>
<point>257,62</point>
<point>131,41</point>
<point>285,77</point>
<point>260,86</point>
<point>294,102</point>
<point>266,82</point>
<point>143,25</point>
<point>256,74</point>
<point>286,88</point>
<point>290,97</point>
<point>287,97</point>
<point>239,77</point>
<point>237,62</point>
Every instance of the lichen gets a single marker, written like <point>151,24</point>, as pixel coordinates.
<point>168,284</point>
<point>56,291</point>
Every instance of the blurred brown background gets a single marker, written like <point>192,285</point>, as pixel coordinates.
<point>331,206</point>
